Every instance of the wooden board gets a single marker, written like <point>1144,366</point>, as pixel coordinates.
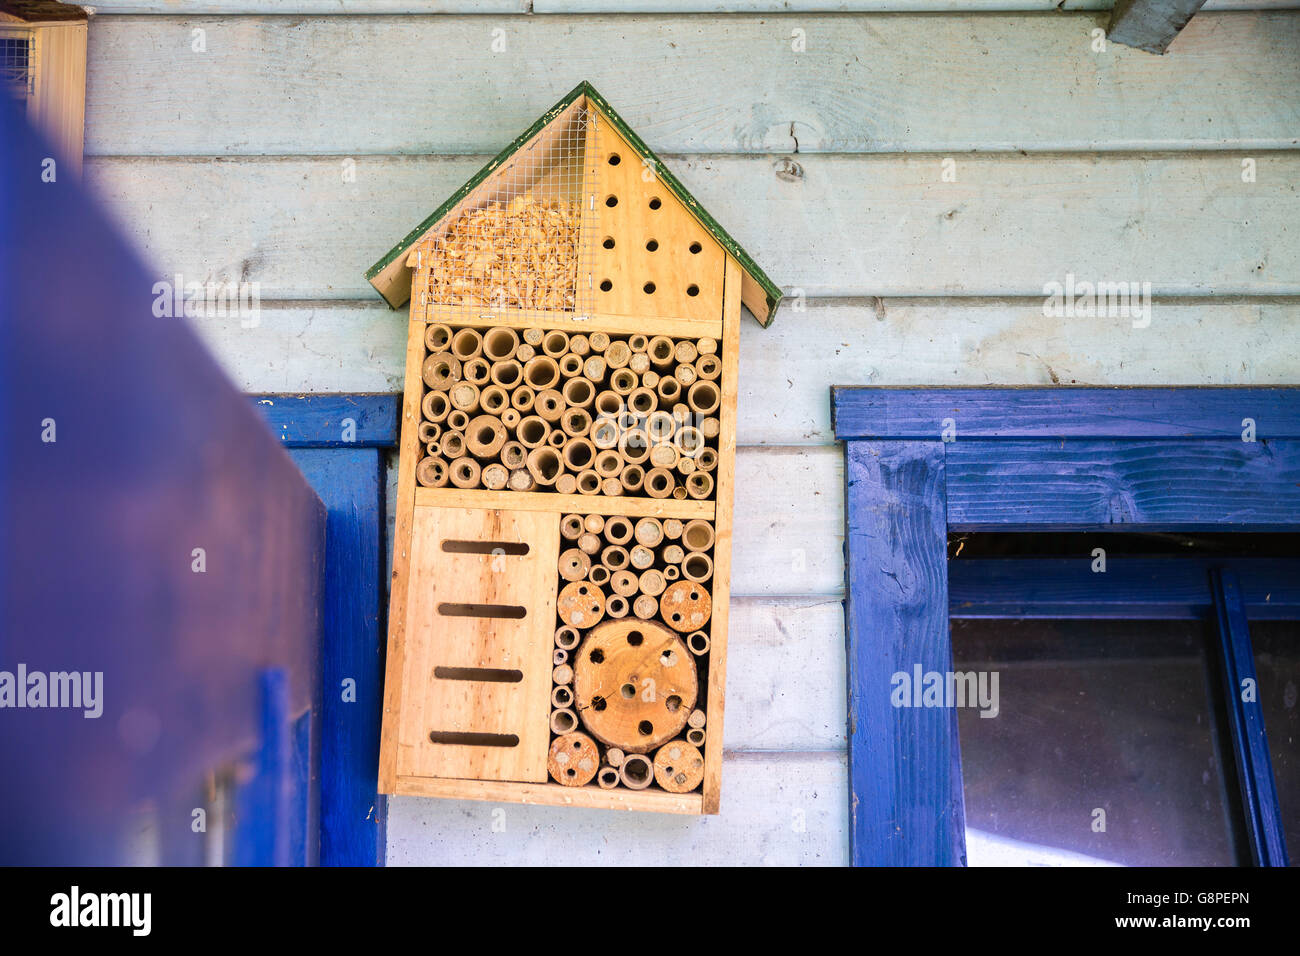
<point>651,252</point>
<point>865,83</point>
<point>851,226</point>
<point>467,671</point>
<point>531,7</point>
<point>565,504</point>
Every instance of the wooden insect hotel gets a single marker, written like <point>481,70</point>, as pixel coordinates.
<point>558,614</point>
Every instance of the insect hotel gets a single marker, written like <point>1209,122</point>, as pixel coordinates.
<point>558,613</point>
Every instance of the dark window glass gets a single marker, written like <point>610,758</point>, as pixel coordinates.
<point>1115,716</point>
<point>1277,666</point>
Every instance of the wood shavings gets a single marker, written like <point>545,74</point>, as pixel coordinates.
<point>521,254</point>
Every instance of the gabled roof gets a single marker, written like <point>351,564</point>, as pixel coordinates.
<point>42,11</point>
<point>391,277</point>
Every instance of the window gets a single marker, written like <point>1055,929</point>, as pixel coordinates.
<point>1145,714</point>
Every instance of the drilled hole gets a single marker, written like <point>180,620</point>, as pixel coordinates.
<point>606,285</point>
<point>597,656</point>
<point>645,728</point>
<point>609,242</point>
<point>635,638</point>
<point>598,703</point>
<point>628,691</point>
<point>692,290</point>
<point>649,288</point>
<point>673,703</point>
<point>695,248</point>
<point>611,201</point>
<point>652,245</point>
<point>615,159</point>
<point>655,202</point>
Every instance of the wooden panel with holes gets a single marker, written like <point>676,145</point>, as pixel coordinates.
<point>477,680</point>
<point>649,255</point>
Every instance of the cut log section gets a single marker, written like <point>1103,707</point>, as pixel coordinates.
<point>573,759</point>
<point>679,767</point>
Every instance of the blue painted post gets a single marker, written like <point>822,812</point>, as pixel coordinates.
<point>906,804</point>
<point>1254,766</point>
<point>262,806</point>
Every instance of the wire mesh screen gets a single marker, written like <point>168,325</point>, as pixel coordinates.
<point>523,239</point>
<point>17,64</point>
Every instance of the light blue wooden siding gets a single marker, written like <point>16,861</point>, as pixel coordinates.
<point>1108,165</point>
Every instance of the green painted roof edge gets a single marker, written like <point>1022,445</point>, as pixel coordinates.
<point>665,175</point>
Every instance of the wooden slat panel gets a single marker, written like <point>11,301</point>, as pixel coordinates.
<point>1192,485</point>
<point>1119,413</point>
<point>852,226</point>
<point>379,7</point>
<point>364,85</point>
<point>433,640</point>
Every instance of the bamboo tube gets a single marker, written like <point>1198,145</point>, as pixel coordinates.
<point>431,472</point>
<point>607,778</point>
<point>440,370</point>
<point>563,721</point>
<point>561,697</point>
<point>623,582</point>
<point>560,656</point>
<point>594,523</point>
<point>599,575</point>
<point>623,381</point>
<point>429,431</point>
<point>669,390</point>
<point>609,405</point>
<point>589,542</point>
<point>562,674</point>
<point>634,446</point>
<point>618,354</point>
<point>542,372</point>
<point>567,637</point>
<point>650,379</point>
<point>697,719</point>
<point>611,487</point>
<point>645,606</point>
<point>637,773</point>
<point>695,737</point>
<point>579,392</point>
<point>566,484</point>
<point>614,756</point>
<point>672,572</point>
<point>599,341</point>
<point>685,375</point>
<point>642,401</point>
<point>467,344</point>
<point>698,643</point>
<point>514,455</point>
<point>495,476</point>
<point>574,564</point>
<point>457,420</point>
<point>485,436</point>
<point>659,427</point>
<point>638,342</point>
<point>659,483</point>
<point>437,338</point>
<point>579,345</point>
<point>570,365</point>
<point>707,346</point>
<point>511,417</point>
<point>639,363</point>
<point>649,532</point>
<point>532,431</point>
<point>710,426</point>
<point>632,477</point>
<point>545,465</point>
<point>689,440</point>
<point>576,422</point>
<point>614,557</point>
<point>533,336</point>
<point>548,404</point>
<point>685,352</point>
<point>494,399</point>
<point>641,557</point>
<point>521,480</point>
<point>628,420</point>
<point>618,529</point>
<point>661,350</point>
<point>594,368</point>
<point>555,343</point>
<point>708,367</point>
<point>651,582</point>
<point>697,566</point>
<point>616,606</point>
<point>578,454</point>
<point>673,553</point>
<point>663,455</point>
<point>524,352</point>
<point>679,493</point>
<point>673,528</point>
<point>571,527</point>
<point>682,413</point>
<point>465,473</point>
<point>476,371</point>
<point>699,484</point>
<point>556,438</point>
<point>608,464</point>
<point>452,445</point>
<point>432,448</point>
<point>588,482</point>
<point>697,535</point>
<point>435,406</point>
<point>704,398</point>
<point>507,374</point>
<point>685,466</point>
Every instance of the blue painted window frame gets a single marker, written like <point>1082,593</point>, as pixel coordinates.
<point>339,442</point>
<point>923,462</point>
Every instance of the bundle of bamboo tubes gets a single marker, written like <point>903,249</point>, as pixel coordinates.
<point>631,652</point>
<point>591,414</point>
